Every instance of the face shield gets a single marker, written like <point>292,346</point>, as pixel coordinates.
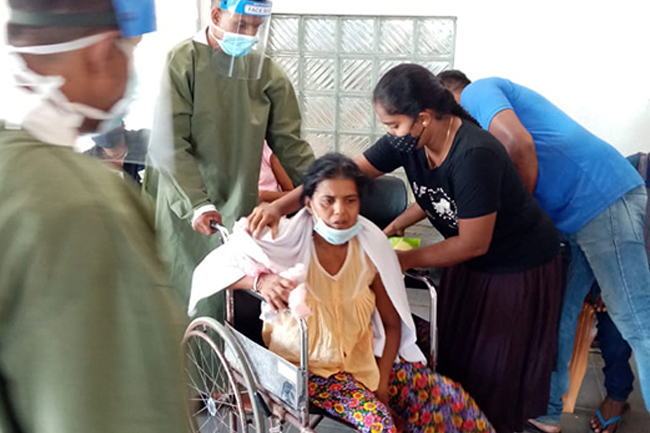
<point>242,32</point>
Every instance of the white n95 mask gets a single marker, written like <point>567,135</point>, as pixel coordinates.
<point>45,90</point>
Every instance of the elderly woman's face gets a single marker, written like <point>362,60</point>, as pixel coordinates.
<point>336,202</point>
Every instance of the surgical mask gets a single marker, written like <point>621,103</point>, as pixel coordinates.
<point>47,89</point>
<point>336,236</point>
<point>236,45</point>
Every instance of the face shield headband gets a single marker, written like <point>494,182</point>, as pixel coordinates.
<point>247,7</point>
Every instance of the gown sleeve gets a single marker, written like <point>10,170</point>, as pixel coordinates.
<point>283,130</point>
<point>181,166</point>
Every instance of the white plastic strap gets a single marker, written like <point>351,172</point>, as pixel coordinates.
<point>63,47</point>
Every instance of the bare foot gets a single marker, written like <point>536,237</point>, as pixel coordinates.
<point>546,428</point>
<point>608,409</point>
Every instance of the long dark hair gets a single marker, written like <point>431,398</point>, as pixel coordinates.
<point>332,166</point>
<point>410,89</point>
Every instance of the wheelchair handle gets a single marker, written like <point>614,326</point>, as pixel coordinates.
<point>223,231</point>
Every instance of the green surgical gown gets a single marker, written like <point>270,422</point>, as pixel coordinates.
<point>90,328</point>
<point>219,125</point>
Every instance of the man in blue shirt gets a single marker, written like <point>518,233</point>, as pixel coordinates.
<point>596,199</point>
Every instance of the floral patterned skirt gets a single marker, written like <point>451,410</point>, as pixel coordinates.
<point>420,401</point>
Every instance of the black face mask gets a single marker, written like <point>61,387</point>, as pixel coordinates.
<point>406,143</point>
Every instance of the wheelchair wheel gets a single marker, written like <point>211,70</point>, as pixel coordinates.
<point>223,395</point>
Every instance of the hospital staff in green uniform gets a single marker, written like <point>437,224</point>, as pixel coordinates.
<point>226,99</point>
<point>90,329</point>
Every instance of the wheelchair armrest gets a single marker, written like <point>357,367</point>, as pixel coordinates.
<point>255,295</point>
<point>421,275</point>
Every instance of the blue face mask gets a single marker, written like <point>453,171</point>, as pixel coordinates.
<point>236,45</point>
<point>336,236</point>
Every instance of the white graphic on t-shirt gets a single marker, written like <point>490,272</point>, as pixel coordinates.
<point>442,204</point>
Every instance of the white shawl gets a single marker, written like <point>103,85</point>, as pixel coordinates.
<point>222,267</point>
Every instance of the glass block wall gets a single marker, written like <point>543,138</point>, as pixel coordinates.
<point>334,63</point>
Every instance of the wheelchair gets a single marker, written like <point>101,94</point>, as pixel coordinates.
<point>238,385</point>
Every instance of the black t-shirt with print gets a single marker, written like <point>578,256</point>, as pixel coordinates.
<point>477,178</point>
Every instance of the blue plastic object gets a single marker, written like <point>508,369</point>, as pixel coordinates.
<point>135,17</point>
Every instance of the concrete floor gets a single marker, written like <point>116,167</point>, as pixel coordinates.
<point>592,392</point>
<point>637,420</point>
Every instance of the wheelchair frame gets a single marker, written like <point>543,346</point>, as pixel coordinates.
<point>275,396</point>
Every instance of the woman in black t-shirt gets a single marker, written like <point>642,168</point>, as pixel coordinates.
<point>500,293</point>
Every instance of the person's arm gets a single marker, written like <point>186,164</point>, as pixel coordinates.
<point>406,219</point>
<point>280,174</point>
<point>507,128</point>
<point>393,330</point>
<point>192,202</point>
<point>473,240</point>
<point>283,179</point>
<point>270,196</point>
<point>477,186</point>
<point>274,289</point>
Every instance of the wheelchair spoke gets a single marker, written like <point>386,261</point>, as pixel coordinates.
<point>197,365</point>
<point>216,400</point>
<point>193,385</point>
<point>200,366</point>
<point>197,413</point>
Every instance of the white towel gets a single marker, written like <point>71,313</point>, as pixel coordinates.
<point>225,266</point>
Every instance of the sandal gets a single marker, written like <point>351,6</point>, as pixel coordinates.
<point>610,421</point>
<point>606,423</point>
<point>536,426</point>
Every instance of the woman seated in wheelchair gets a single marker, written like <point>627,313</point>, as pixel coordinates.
<point>365,368</point>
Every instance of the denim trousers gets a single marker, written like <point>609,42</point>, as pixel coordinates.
<point>609,250</point>
<point>619,378</point>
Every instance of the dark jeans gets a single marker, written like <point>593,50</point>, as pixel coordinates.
<point>619,378</point>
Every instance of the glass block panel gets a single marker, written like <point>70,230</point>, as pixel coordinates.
<point>320,74</point>
<point>291,66</point>
<point>356,75</point>
<point>357,35</point>
<point>396,36</point>
<point>385,65</point>
<point>380,128</point>
<point>355,114</point>
<point>435,66</point>
<point>354,145</point>
<point>334,62</point>
<point>320,35</point>
<point>321,143</point>
<point>436,37</point>
<point>284,34</point>
<point>319,112</point>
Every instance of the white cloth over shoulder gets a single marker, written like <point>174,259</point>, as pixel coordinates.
<point>223,267</point>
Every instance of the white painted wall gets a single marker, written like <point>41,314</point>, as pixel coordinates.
<point>591,58</point>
